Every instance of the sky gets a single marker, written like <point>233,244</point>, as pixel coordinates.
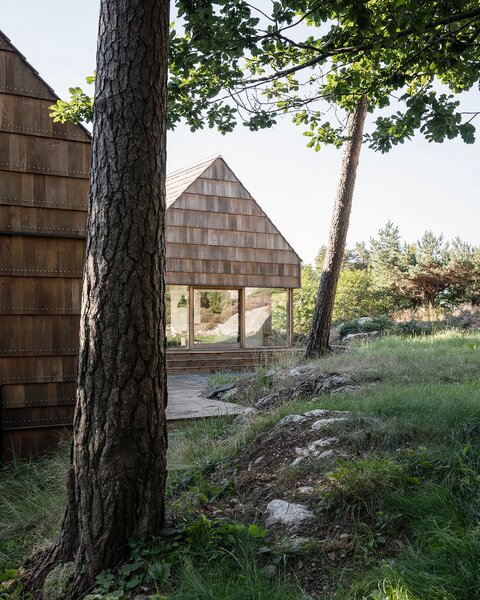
<point>417,185</point>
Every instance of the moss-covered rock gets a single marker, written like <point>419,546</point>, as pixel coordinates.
<point>58,584</point>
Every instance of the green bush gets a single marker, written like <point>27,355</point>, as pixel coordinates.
<point>357,296</point>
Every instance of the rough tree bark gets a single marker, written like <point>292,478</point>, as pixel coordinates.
<point>117,479</point>
<point>318,342</point>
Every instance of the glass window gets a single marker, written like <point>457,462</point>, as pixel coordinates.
<point>177,316</point>
<point>266,317</point>
<point>216,317</point>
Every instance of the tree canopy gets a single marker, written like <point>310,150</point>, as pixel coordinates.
<point>233,61</point>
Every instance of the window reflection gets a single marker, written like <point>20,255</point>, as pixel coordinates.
<point>216,317</point>
<point>177,316</point>
<point>266,317</point>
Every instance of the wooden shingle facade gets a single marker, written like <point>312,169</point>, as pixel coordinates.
<point>44,177</point>
<point>217,234</point>
<point>230,272</point>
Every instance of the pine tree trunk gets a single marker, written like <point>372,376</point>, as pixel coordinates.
<point>318,342</point>
<point>117,481</point>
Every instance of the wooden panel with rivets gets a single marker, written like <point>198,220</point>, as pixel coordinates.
<point>44,178</point>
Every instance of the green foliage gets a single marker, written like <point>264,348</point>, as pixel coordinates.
<point>390,275</point>
<point>236,62</point>
<point>159,563</point>
<point>11,587</point>
<point>431,272</point>
<point>76,110</point>
<point>304,300</point>
<point>407,504</point>
<point>359,487</point>
<point>357,296</point>
<point>214,301</point>
<point>385,325</point>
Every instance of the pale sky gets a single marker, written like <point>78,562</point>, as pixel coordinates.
<point>418,185</point>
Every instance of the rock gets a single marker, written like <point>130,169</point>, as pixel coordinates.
<point>363,320</point>
<point>229,394</point>
<point>258,460</point>
<point>303,389</point>
<point>268,401</point>
<point>336,348</point>
<point>328,383</point>
<point>323,443</point>
<point>298,372</point>
<point>306,489</point>
<point>326,453</point>
<point>280,512</point>
<point>289,420</point>
<point>347,389</point>
<point>360,336</point>
<point>269,570</point>
<point>323,422</point>
<point>293,545</point>
<point>245,417</point>
<point>314,450</point>
<point>318,412</point>
<point>212,393</point>
<point>270,374</point>
<point>323,412</point>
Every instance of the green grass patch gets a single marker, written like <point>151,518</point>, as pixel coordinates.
<point>409,499</point>
<point>32,504</point>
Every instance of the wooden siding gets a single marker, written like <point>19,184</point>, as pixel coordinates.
<point>31,116</point>
<point>43,207</point>
<point>27,153</point>
<point>26,189</point>
<point>218,235</point>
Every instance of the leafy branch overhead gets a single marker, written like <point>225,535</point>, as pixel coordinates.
<point>233,61</point>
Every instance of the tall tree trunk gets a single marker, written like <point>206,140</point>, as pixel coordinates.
<point>117,480</point>
<point>318,342</point>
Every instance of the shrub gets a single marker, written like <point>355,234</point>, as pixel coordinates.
<point>357,295</point>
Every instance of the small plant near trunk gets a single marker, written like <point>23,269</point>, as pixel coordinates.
<point>156,566</point>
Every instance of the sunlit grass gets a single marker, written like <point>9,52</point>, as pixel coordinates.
<point>415,435</point>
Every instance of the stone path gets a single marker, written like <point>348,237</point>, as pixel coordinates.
<point>186,402</point>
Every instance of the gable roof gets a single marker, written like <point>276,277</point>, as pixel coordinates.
<point>179,181</point>
<point>209,177</point>
<point>44,90</point>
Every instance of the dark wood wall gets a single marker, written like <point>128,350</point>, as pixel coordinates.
<point>44,170</point>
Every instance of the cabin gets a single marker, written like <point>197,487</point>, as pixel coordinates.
<point>44,179</point>
<point>230,272</point>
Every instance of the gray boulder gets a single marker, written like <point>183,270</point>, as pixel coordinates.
<point>280,512</point>
<point>290,420</point>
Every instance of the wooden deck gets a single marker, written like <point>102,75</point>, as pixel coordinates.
<point>185,399</point>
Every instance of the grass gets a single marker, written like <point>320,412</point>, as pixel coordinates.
<point>438,359</point>
<point>240,581</point>
<point>421,465</point>
<point>32,503</point>
<point>415,482</point>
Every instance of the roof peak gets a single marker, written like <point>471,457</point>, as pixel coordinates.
<point>7,45</point>
<point>198,163</point>
<point>179,181</point>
